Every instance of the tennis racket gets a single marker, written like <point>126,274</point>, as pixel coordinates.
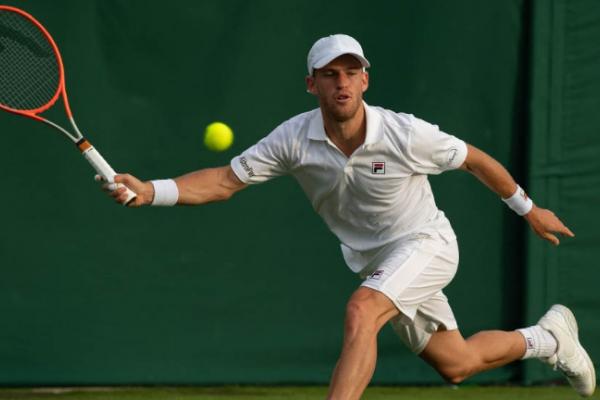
<point>32,77</point>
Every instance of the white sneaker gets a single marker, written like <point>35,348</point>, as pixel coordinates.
<point>570,358</point>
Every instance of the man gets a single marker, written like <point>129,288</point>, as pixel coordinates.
<point>365,171</point>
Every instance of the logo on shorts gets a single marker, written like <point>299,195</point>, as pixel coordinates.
<point>378,168</point>
<point>377,274</point>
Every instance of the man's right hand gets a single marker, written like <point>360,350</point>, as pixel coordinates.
<point>144,190</point>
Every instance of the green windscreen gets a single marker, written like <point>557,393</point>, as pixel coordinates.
<point>253,290</point>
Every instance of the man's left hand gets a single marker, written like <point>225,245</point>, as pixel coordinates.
<point>544,223</point>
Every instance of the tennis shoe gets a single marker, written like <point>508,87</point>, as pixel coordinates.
<point>571,359</point>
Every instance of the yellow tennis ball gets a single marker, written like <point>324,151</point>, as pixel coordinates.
<point>218,136</point>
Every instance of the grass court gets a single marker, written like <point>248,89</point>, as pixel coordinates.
<point>292,393</point>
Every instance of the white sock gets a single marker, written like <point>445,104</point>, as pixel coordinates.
<point>539,343</point>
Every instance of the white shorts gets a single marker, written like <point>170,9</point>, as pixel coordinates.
<point>412,273</point>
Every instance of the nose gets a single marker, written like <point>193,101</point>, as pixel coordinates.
<point>343,80</point>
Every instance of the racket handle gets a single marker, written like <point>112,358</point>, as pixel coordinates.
<point>102,167</point>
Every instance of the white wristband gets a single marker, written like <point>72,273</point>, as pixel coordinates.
<point>519,202</point>
<point>165,192</point>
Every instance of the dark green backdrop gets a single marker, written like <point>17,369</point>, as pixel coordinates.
<point>254,290</point>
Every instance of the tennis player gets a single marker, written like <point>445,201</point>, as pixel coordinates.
<point>364,169</point>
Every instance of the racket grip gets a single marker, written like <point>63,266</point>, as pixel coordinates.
<point>102,167</point>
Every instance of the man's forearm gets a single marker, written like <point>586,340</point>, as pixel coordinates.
<point>207,186</point>
<point>490,172</point>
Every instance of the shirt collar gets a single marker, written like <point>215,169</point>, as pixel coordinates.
<point>374,126</point>
<point>316,131</point>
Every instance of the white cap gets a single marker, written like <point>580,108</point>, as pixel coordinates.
<point>331,47</point>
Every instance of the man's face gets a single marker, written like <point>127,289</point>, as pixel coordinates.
<point>339,86</point>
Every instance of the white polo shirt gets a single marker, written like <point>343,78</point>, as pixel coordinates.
<point>377,196</point>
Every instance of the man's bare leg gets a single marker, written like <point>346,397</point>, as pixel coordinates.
<point>367,311</point>
<point>455,358</point>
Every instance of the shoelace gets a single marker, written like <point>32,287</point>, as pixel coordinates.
<point>564,368</point>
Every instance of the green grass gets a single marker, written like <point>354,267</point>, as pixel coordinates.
<point>290,393</point>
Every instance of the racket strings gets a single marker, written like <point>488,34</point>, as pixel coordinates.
<point>30,73</point>
<point>21,58</point>
<point>25,92</point>
<point>33,90</point>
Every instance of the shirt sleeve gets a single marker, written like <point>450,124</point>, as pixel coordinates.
<point>266,160</point>
<point>433,151</point>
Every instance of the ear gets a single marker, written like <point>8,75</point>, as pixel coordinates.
<point>311,85</point>
<point>365,81</point>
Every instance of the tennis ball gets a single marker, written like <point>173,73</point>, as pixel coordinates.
<point>218,136</point>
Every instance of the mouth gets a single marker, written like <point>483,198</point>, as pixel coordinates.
<point>342,98</point>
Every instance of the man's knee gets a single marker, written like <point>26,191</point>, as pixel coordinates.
<point>359,317</point>
<point>367,311</point>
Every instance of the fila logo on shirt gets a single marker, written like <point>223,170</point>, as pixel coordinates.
<point>378,168</point>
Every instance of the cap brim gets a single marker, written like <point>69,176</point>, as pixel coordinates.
<point>330,57</point>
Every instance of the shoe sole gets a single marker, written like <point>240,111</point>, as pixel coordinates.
<point>572,324</point>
